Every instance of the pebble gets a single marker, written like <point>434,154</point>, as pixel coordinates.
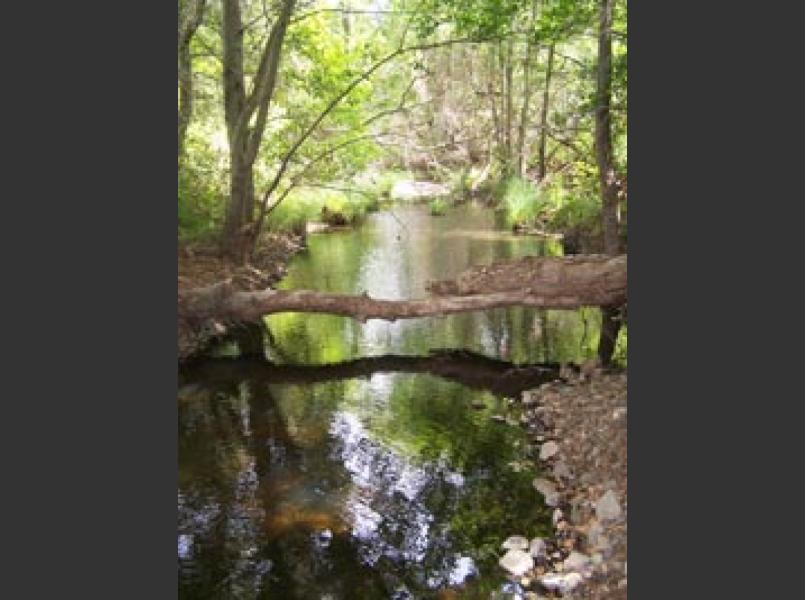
<point>530,398</point>
<point>562,583</point>
<point>577,561</point>
<point>537,547</point>
<point>561,469</point>
<point>548,450</point>
<point>515,542</point>
<point>517,562</point>
<point>607,508</point>
<point>557,516</point>
<point>547,489</point>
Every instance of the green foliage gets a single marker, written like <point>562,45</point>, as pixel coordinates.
<point>579,210</point>
<point>202,190</point>
<point>438,207</point>
<point>520,201</point>
<point>306,205</point>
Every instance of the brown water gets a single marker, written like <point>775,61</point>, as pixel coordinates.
<point>374,478</point>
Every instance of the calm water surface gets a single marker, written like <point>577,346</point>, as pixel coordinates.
<point>384,485</point>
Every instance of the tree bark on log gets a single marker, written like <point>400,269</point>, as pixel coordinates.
<point>560,283</point>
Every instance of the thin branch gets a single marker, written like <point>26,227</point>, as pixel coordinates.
<point>334,102</point>
<point>347,11</point>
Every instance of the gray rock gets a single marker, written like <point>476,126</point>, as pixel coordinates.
<point>530,397</point>
<point>548,450</point>
<point>537,547</point>
<point>558,515</point>
<point>607,508</point>
<point>562,583</point>
<point>578,562</point>
<point>517,562</point>
<point>561,469</point>
<point>515,542</point>
<point>547,489</point>
<point>594,532</point>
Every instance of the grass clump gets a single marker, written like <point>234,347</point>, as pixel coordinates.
<point>438,207</point>
<point>334,207</point>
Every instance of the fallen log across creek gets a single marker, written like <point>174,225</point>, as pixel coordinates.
<point>541,282</point>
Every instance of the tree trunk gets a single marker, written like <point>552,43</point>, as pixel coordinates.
<point>508,76</point>
<point>541,282</point>
<point>543,121</point>
<point>189,21</point>
<point>521,161</point>
<point>603,134</point>
<point>240,108</point>
<point>493,94</point>
<point>610,314</point>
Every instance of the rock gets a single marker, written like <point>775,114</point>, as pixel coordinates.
<point>530,398</point>
<point>594,530</point>
<point>547,489</point>
<point>562,583</point>
<point>537,547</point>
<point>517,562</point>
<point>558,515</point>
<point>548,450</point>
<point>607,508</point>
<point>577,561</point>
<point>515,542</point>
<point>498,418</point>
<point>560,469</point>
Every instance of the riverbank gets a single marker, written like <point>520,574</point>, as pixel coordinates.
<point>202,266</point>
<point>579,428</point>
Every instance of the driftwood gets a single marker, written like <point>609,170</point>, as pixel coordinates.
<point>560,283</point>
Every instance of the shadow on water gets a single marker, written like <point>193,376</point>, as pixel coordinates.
<point>342,460</point>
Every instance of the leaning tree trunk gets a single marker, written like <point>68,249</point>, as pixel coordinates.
<point>610,314</point>
<point>246,116</point>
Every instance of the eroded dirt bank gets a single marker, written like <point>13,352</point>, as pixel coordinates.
<point>202,266</point>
